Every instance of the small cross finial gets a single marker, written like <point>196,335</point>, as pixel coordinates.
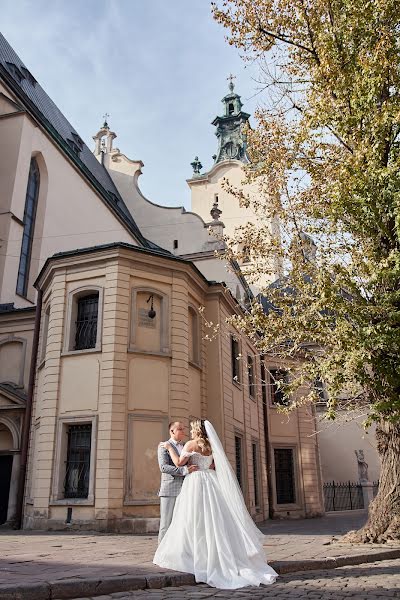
<point>105,117</point>
<point>231,84</point>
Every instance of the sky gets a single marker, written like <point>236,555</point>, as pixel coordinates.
<point>159,68</point>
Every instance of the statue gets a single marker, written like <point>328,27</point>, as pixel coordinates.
<point>362,466</point>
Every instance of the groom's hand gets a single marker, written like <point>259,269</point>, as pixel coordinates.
<point>192,468</point>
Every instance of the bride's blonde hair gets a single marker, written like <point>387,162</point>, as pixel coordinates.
<point>200,434</point>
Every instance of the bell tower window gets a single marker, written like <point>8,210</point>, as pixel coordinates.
<point>231,108</point>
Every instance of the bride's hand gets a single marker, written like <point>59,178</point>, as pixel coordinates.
<point>165,445</point>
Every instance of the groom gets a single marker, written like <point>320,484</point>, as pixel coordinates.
<point>171,476</point>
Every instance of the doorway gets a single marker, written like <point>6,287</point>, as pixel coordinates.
<point>6,461</point>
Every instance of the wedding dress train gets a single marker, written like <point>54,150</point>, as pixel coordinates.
<point>211,534</point>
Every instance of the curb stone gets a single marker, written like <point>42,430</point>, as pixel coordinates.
<point>67,589</point>
<point>294,566</point>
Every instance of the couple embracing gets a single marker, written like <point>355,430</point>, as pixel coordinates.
<point>205,528</point>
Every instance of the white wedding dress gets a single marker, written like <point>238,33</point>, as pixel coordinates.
<point>211,534</point>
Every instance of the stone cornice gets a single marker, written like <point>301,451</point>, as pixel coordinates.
<point>97,256</point>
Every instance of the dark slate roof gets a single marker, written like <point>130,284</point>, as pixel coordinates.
<point>36,101</point>
<point>151,250</point>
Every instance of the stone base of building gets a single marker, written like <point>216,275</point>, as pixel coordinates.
<point>135,525</point>
<point>297,514</point>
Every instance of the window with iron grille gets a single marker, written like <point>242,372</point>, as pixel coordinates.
<point>86,322</point>
<point>238,458</point>
<point>279,377</point>
<point>251,378</point>
<point>255,474</point>
<point>77,469</point>
<point>31,199</point>
<point>235,357</point>
<point>319,387</point>
<point>284,476</point>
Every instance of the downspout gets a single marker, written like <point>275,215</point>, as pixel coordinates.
<point>26,429</point>
<point>270,492</point>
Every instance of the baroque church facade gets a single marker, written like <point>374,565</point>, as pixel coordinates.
<point>106,301</point>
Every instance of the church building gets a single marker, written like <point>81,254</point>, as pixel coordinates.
<point>113,322</point>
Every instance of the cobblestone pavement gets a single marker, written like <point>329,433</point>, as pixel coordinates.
<point>375,581</point>
<point>39,556</point>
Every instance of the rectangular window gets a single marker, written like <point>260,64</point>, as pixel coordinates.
<point>238,459</point>
<point>86,322</point>
<point>251,378</point>
<point>263,383</point>
<point>279,377</point>
<point>255,474</point>
<point>321,391</point>
<point>284,476</point>
<point>235,357</point>
<point>78,461</point>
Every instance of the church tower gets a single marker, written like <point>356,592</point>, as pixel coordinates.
<point>230,128</point>
<point>208,188</point>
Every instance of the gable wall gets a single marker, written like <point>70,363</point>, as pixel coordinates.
<point>70,213</point>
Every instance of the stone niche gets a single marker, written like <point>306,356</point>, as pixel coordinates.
<point>148,333</point>
<point>143,475</point>
<point>12,360</point>
<point>79,389</point>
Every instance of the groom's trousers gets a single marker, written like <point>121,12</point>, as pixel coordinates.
<point>167,504</point>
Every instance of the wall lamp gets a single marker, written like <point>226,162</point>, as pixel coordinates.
<point>152,313</point>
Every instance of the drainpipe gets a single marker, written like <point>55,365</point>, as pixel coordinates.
<point>26,428</point>
<point>269,463</point>
<point>268,456</point>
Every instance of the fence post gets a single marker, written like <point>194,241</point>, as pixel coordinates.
<point>368,492</point>
<point>333,497</point>
<point>351,500</point>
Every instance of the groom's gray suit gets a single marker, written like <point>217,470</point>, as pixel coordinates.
<point>171,483</point>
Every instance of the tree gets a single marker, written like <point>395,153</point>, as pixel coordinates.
<point>325,158</point>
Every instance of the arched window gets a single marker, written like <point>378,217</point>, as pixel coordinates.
<point>231,108</point>
<point>29,227</point>
<point>83,327</point>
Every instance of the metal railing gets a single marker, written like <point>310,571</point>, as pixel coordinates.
<point>343,496</point>
<point>76,483</point>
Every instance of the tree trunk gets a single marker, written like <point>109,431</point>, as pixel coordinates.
<point>383,523</point>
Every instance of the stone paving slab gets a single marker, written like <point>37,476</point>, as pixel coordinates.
<point>44,565</point>
<point>376,581</point>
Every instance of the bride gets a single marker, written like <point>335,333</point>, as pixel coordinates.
<point>212,534</point>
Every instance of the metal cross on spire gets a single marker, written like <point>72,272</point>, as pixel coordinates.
<point>230,79</point>
<point>105,117</point>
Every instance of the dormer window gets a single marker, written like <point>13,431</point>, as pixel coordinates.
<point>74,146</point>
<point>231,108</point>
<point>28,75</point>
<point>15,72</point>
<point>75,143</point>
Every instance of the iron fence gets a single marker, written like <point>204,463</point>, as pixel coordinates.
<point>343,496</point>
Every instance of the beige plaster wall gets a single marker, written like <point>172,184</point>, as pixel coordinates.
<point>161,224</point>
<point>337,443</point>
<point>206,188</point>
<point>16,337</point>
